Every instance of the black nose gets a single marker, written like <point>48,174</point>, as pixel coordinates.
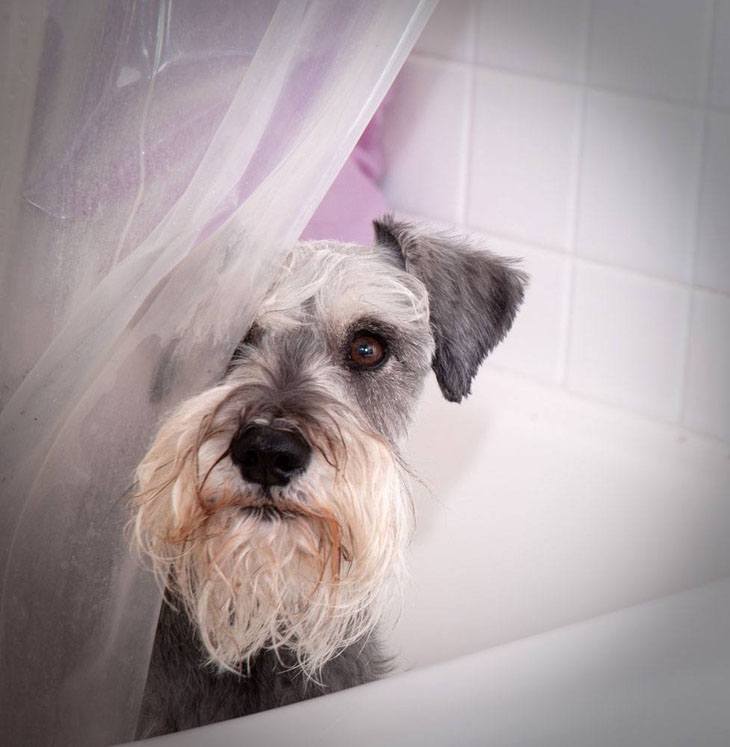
<point>269,456</point>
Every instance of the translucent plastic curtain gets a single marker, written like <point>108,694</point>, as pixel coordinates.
<point>166,155</point>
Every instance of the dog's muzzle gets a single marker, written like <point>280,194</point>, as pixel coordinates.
<point>269,456</point>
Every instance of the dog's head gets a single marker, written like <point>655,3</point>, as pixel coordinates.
<point>274,506</point>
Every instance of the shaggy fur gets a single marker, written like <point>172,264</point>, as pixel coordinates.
<point>277,588</point>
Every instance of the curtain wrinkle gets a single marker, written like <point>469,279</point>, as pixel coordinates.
<point>141,248</point>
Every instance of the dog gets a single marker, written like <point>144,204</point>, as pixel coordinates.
<point>274,508</point>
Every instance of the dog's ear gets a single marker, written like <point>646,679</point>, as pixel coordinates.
<point>473,297</point>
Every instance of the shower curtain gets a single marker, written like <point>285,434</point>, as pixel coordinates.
<point>161,158</point>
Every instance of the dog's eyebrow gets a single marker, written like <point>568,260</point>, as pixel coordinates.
<point>371,324</point>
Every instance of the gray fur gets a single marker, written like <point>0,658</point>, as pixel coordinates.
<point>385,398</point>
<point>165,373</point>
<point>474,296</point>
<point>182,692</point>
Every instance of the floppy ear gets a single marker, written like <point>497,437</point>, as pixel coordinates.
<point>473,297</point>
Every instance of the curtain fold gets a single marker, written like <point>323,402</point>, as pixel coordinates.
<point>174,151</point>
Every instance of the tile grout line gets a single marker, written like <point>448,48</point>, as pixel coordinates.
<point>598,87</point>
<point>683,386</point>
<point>555,251</point>
<point>568,301</point>
<point>610,404</point>
<point>594,262</point>
<point>468,126</point>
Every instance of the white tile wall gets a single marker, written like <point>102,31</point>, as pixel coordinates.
<point>533,36</point>
<point>654,47</point>
<point>627,335</point>
<point>450,33</point>
<point>520,175</point>
<point>427,117</point>
<point>538,337</point>
<point>720,76</point>
<point>713,249</point>
<point>591,137</point>
<point>707,405</point>
<point>638,178</point>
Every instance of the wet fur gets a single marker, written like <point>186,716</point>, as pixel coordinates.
<point>183,692</point>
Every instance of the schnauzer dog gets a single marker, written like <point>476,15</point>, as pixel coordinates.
<point>274,507</point>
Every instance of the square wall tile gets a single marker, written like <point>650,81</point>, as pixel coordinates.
<point>534,36</point>
<point>720,71</point>
<point>524,145</point>
<point>627,340</point>
<point>450,31</point>
<point>638,184</point>
<point>424,139</point>
<point>656,47</point>
<point>536,343</point>
<point>707,397</point>
<point>712,264</point>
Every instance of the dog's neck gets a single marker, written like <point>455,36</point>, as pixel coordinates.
<point>183,692</point>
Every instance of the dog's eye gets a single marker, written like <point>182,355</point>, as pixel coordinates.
<point>367,350</point>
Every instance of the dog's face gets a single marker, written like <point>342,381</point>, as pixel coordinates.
<point>274,506</point>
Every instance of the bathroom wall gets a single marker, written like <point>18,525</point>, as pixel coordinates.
<point>593,140</point>
<point>590,469</point>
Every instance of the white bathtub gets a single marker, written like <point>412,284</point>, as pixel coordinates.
<point>548,509</point>
<point>655,675</point>
<point>547,513</point>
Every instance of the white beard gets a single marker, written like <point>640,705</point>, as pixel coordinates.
<point>314,579</point>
